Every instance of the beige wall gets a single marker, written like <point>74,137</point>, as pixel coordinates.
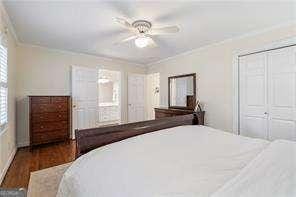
<point>7,138</point>
<point>43,71</point>
<point>213,65</point>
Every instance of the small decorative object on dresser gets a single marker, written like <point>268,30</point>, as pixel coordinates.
<point>49,119</point>
<point>197,107</point>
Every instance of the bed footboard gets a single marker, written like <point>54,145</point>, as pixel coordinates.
<point>89,139</point>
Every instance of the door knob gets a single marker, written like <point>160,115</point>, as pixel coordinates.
<point>74,106</point>
<point>265,113</point>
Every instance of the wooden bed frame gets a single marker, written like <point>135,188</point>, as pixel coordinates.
<point>89,139</point>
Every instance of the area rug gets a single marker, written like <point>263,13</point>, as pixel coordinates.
<point>45,182</point>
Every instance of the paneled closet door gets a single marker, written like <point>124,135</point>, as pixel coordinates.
<point>253,96</point>
<point>282,93</point>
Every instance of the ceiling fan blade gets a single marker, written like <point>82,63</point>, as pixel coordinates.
<point>123,22</point>
<point>127,39</point>
<point>151,42</point>
<point>164,30</point>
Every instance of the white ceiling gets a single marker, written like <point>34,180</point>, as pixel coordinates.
<point>88,26</point>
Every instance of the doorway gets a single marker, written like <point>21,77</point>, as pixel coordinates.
<point>109,97</point>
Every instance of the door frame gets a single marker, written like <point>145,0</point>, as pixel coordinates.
<point>235,68</point>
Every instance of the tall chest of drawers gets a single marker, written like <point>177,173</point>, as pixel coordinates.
<point>49,119</point>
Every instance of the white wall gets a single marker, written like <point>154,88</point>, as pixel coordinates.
<point>213,65</point>
<point>43,71</point>
<point>7,138</point>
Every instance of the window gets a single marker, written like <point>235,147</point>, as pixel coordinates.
<point>3,87</point>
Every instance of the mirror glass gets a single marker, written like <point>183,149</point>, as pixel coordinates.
<point>182,91</point>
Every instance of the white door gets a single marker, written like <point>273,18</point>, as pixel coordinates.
<point>136,97</point>
<point>85,97</point>
<point>268,94</point>
<point>153,92</point>
<point>253,95</point>
<point>282,90</point>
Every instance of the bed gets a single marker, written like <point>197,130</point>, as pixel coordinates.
<point>181,159</point>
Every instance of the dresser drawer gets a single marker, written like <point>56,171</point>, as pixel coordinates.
<point>61,107</point>
<point>43,108</point>
<point>50,117</point>
<point>49,126</point>
<point>59,99</point>
<point>40,99</point>
<point>39,138</point>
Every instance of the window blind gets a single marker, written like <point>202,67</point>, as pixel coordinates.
<point>3,87</point>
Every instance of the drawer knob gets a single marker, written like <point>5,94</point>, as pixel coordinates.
<point>41,127</point>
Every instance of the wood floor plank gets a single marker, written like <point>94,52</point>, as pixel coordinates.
<point>26,161</point>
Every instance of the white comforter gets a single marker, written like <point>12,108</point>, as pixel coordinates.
<point>186,161</point>
<point>271,173</point>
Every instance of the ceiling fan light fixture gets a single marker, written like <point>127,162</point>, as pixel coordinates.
<point>143,32</point>
<point>142,41</point>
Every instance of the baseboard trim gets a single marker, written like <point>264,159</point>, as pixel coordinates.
<point>23,144</point>
<point>7,165</point>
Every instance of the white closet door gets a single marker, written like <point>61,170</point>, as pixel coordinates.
<point>136,97</point>
<point>253,96</point>
<point>85,97</point>
<point>282,93</point>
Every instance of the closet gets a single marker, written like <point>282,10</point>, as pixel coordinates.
<point>267,94</point>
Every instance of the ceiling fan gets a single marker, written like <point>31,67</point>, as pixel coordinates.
<point>143,32</point>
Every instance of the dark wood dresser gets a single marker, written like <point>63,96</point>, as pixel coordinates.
<point>169,112</point>
<point>50,119</point>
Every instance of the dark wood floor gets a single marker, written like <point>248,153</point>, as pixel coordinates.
<point>26,161</point>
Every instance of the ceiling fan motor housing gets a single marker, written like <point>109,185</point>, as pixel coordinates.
<point>142,25</point>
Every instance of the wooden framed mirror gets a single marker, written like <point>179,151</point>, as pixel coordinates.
<point>182,91</point>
